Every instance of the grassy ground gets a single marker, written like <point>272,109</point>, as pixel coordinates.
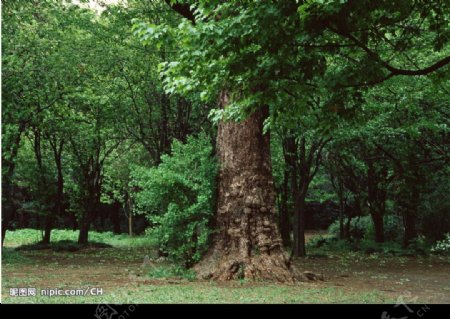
<point>131,273</point>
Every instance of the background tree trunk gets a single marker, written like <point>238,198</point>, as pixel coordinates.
<point>376,199</point>
<point>341,216</point>
<point>247,243</point>
<point>48,229</point>
<point>84,229</point>
<point>410,213</point>
<point>377,220</point>
<point>130,216</point>
<point>285,228</point>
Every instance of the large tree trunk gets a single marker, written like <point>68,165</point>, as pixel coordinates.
<point>247,243</point>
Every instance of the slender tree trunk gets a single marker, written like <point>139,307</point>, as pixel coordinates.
<point>85,222</point>
<point>341,216</point>
<point>347,227</point>
<point>4,228</point>
<point>74,222</point>
<point>410,215</point>
<point>377,219</point>
<point>164,126</point>
<point>8,205</point>
<point>130,225</point>
<point>130,218</point>
<point>376,200</point>
<point>84,229</point>
<point>339,188</point>
<point>48,229</point>
<point>408,197</point>
<point>357,211</point>
<point>48,221</point>
<point>247,243</point>
<point>298,194</point>
<point>58,205</point>
<point>284,212</point>
<point>8,166</point>
<point>115,218</point>
<point>299,248</point>
<point>410,227</point>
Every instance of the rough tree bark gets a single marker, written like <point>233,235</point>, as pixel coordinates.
<point>247,243</point>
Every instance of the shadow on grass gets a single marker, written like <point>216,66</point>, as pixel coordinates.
<point>63,246</point>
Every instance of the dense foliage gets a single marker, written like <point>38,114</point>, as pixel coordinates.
<point>178,198</point>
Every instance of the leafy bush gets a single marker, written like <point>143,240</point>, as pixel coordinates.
<point>177,198</point>
<point>330,242</point>
<point>358,227</point>
<point>319,241</point>
<point>362,227</point>
<point>369,246</point>
<point>442,246</point>
<point>433,219</point>
<point>393,228</point>
<point>419,246</point>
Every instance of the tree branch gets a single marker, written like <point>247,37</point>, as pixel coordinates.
<point>393,70</point>
<point>182,9</point>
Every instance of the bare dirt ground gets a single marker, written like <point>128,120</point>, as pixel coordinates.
<point>422,280</point>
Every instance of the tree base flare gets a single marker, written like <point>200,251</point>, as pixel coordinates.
<point>273,268</point>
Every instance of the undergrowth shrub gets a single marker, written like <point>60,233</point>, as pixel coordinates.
<point>177,198</point>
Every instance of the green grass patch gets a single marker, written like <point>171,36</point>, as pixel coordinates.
<point>171,271</point>
<point>23,237</point>
<point>10,256</point>
<point>206,292</point>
